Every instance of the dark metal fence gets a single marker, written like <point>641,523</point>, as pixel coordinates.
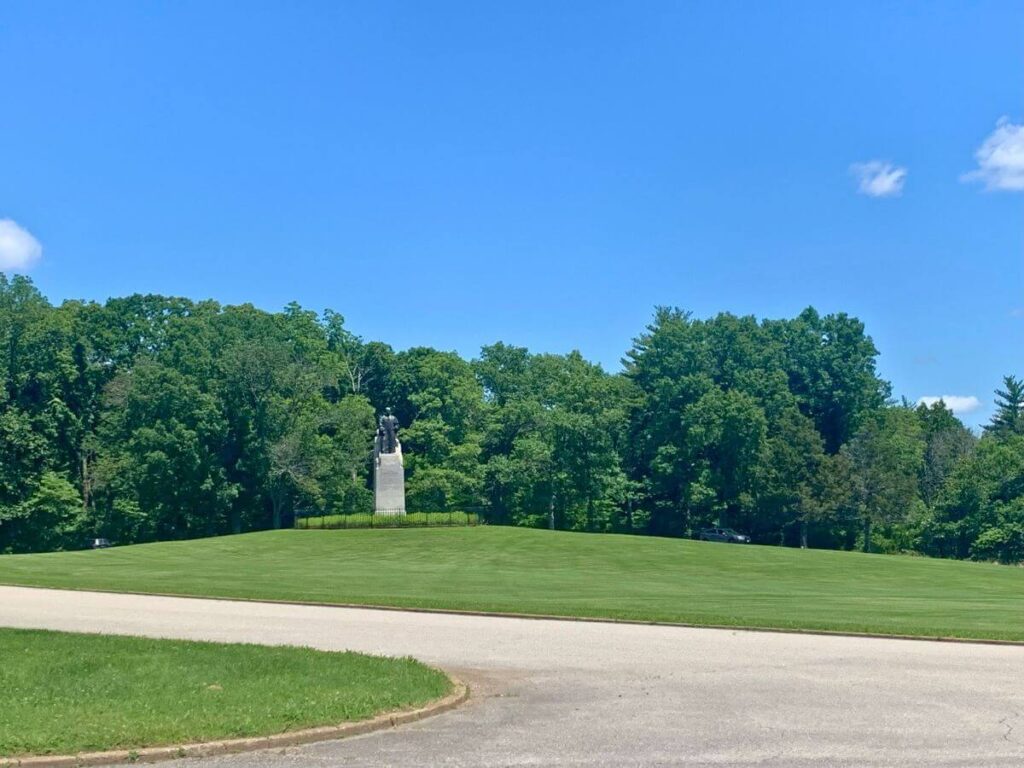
<point>411,520</point>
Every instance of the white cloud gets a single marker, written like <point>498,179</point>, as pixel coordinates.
<point>955,403</point>
<point>1001,158</point>
<point>877,178</point>
<point>18,249</point>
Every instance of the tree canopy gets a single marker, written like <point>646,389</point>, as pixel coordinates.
<point>154,417</point>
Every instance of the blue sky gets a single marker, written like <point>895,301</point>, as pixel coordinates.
<point>453,174</point>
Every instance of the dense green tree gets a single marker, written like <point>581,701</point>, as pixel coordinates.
<point>723,450</point>
<point>160,449</point>
<point>830,363</point>
<point>791,492</point>
<point>51,517</point>
<point>947,443</point>
<point>154,417</point>
<point>979,511</point>
<point>439,402</point>
<point>1009,415</point>
<point>552,442</point>
<point>713,425</point>
<point>350,425</point>
<point>886,458</point>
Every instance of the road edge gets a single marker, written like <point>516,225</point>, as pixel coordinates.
<point>458,696</point>
<point>545,617</point>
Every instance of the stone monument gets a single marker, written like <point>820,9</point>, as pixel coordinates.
<point>388,469</point>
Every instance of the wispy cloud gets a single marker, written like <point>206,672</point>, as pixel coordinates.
<point>956,403</point>
<point>1001,158</point>
<point>18,249</point>
<point>877,178</point>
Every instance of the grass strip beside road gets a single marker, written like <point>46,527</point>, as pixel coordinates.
<point>515,570</point>
<point>64,693</point>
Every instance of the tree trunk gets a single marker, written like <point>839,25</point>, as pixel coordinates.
<point>803,534</point>
<point>276,502</point>
<point>85,482</point>
<point>867,534</point>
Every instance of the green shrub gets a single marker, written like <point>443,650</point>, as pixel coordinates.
<point>1004,544</point>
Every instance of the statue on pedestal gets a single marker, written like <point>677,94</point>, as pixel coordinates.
<point>388,468</point>
<point>387,432</point>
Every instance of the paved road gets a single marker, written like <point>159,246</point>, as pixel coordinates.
<point>593,694</point>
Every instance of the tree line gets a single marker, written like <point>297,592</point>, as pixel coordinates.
<point>151,417</point>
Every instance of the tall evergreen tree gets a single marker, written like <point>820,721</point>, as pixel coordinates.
<point>1009,415</point>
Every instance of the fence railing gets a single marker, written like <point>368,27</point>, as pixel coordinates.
<point>411,520</point>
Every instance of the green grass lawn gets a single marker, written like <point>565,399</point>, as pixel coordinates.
<point>568,574</point>
<point>64,693</point>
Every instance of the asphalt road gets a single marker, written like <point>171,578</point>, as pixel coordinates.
<point>600,694</point>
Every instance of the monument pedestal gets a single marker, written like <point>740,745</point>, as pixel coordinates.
<point>389,483</point>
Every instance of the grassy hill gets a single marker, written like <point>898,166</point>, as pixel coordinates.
<point>566,574</point>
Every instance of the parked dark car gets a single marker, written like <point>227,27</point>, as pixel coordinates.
<point>728,535</point>
<point>99,543</point>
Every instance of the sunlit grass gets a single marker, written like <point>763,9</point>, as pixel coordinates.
<point>64,693</point>
<point>491,568</point>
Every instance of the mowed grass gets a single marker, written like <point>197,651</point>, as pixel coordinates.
<point>565,574</point>
<point>65,693</point>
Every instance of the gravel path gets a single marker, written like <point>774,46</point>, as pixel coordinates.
<point>599,694</point>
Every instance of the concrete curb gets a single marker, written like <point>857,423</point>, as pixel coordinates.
<point>544,617</point>
<point>276,741</point>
